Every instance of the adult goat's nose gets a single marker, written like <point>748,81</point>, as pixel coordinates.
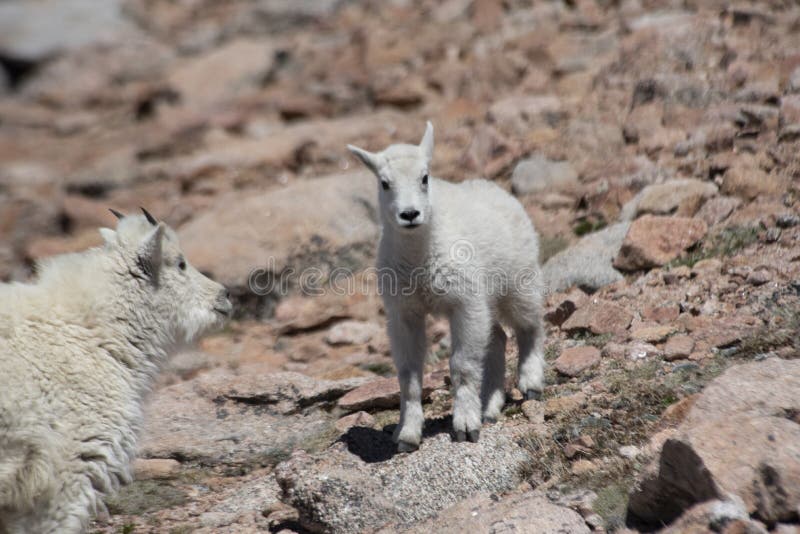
<point>409,215</point>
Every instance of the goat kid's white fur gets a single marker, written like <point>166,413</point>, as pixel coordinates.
<point>79,350</point>
<point>467,251</point>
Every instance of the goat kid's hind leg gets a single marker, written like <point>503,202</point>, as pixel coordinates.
<point>407,337</point>
<point>493,394</point>
<point>530,340</point>
<point>471,331</point>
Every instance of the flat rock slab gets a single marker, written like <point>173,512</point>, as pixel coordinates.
<point>338,491</point>
<point>528,512</point>
<point>238,417</point>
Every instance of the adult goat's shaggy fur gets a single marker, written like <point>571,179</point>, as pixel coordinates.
<point>79,350</point>
<point>470,252</point>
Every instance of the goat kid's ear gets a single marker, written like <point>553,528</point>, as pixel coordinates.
<point>149,255</point>
<point>427,141</point>
<point>371,160</point>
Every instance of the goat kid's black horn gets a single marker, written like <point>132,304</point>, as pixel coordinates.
<point>152,220</point>
<point>117,214</point>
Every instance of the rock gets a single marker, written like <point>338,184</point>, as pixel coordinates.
<point>661,314</point>
<point>588,263</point>
<point>556,406</point>
<point>248,416</point>
<point>355,419</point>
<point>539,174</point>
<point>663,199</point>
<point>738,438</point>
<point>794,80</point>
<point>599,317</point>
<point>787,220</point>
<point>759,277</point>
<point>678,347</point>
<point>247,240</point>
<point>749,182</point>
<point>34,31</point>
<point>716,516</point>
<point>298,313</point>
<point>237,66</point>
<point>717,209</point>
<point>155,468</point>
<point>352,333</point>
<point>398,488</point>
<point>582,467</point>
<point>629,451</point>
<point>575,360</point>
<point>528,512</point>
<point>789,118</point>
<point>653,241</point>
<point>641,350</point>
<point>652,334</point>
<point>561,305</point>
<point>385,393</point>
<point>518,114</point>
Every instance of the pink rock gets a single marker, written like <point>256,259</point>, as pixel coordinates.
<point>653,241</point>
<point>385,393</point>
<point>599,317</point>
<point>678,347</point>
<point>575,360</point>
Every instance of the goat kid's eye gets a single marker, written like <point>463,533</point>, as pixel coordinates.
<point>385,185</point>
<point>182,265</point>
<point>425,180</point>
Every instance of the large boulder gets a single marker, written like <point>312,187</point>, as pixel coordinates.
<point>306,224</point>
<point>360,483</point>
<point>740,438</point>
<point>588,263</point>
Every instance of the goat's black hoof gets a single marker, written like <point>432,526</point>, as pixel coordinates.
<point>474,436</point>
<point>461,436</point>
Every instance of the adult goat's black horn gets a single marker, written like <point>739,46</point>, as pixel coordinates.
<point>117,214</point>
<point>152,220</point>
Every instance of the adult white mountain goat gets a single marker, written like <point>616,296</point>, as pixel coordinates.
<point>79,350</point>
<point>470,252</point>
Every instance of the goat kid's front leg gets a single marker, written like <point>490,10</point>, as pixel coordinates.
<point>471,331</point>
<point>408,342</point>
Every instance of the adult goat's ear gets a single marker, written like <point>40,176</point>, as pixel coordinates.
<point>109,236</point>
<point>149,255</point>
<point>427,141</point>
<point>371,160</point>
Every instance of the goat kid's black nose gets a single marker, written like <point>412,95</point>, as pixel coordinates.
<point>409,215</point>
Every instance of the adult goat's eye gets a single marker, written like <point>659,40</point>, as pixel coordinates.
<point>385,185</point>
<point>425,180</point>
<point>182,265</point>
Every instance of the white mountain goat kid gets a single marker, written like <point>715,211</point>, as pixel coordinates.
<point>467,251</point>
<point>79,350</point>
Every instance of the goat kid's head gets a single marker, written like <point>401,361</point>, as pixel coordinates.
<point>403,188</point>
<point>187,301</point>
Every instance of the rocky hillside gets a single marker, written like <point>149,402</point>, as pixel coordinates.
<point>654,143</point>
